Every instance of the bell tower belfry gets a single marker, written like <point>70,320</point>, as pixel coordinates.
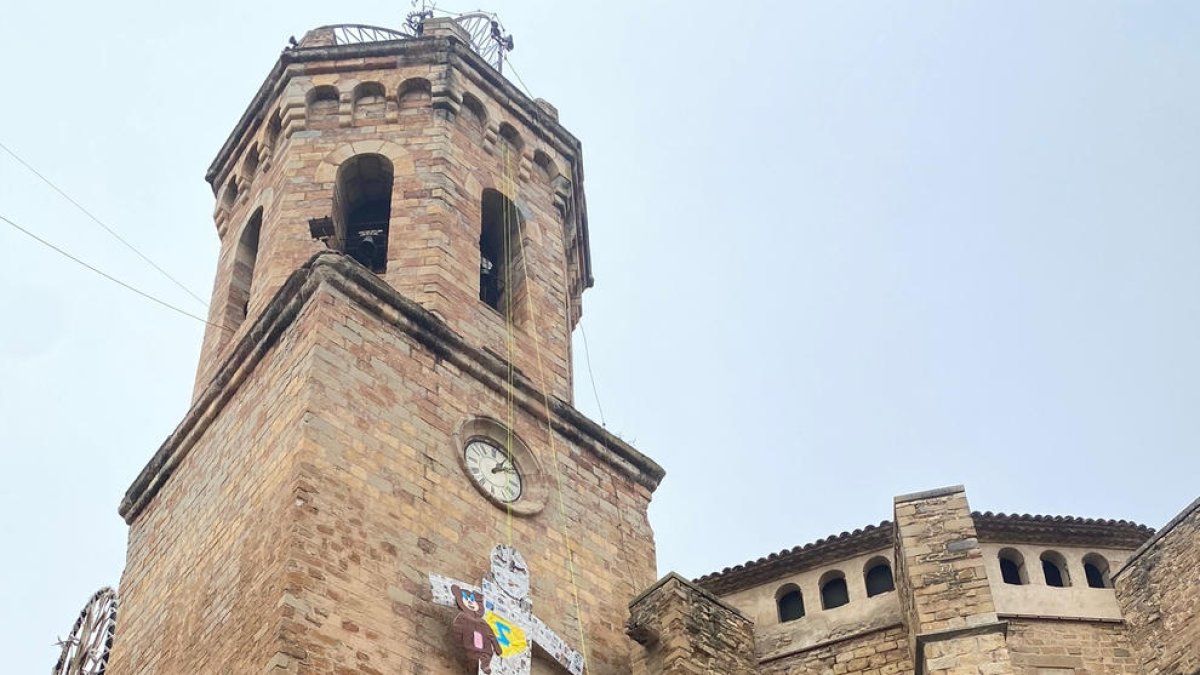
<point>384,392</point>
<point>441,178</point>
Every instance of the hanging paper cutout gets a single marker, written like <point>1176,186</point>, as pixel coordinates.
<point>508,616</point>
<point>477,637</point>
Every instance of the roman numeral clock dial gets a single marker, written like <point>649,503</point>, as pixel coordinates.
<point>493,470</point>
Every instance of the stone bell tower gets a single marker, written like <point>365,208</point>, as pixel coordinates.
<point>385,390</point>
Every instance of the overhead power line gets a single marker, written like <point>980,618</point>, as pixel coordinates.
<point>108,276</point>
<point>99,222</point>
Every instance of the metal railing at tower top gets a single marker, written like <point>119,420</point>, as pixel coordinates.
<point>486,35</point>
<point>354,33</point>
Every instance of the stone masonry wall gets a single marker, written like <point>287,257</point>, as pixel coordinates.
<point>204,569</point>
<point>943,586</point>
<point>686,631</point>
<point>1159,593</point>
<point>386,503</point>
<point>884,652</point>
<point>1095,648</point>
<point>443,157</point>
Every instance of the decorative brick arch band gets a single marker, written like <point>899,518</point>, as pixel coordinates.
<point>402,163</point>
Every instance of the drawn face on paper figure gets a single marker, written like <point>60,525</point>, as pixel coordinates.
<point>510,572</point>
<point>468,601</point>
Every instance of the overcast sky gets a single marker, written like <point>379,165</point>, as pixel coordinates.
<point>843,250</point>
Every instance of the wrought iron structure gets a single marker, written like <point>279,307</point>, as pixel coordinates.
<point>355,33</point>
<point>85,650</point>
<point>487,35</point>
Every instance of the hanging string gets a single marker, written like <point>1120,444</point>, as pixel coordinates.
<point>562,512</point>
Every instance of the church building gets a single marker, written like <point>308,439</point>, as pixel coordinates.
<point>382,470</point>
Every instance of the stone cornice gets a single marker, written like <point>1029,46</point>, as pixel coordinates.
<point>387,304</point>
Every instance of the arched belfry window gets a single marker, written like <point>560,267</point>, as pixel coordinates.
<point>362,209</point>
<point>1012,567</point>
<point>790,602</point>
<point>834,592</point>
<point>1095,568</point>
<point>878,577</point>
<point>241,278</point>
<point>501,269</point>
<point>1054,567</point>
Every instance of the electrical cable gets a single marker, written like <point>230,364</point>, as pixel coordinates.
<point>109,276</point>
<point>99,222</point>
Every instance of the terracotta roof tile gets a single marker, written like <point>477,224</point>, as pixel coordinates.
<point>992,527</point>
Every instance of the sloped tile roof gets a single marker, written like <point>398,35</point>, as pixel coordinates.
<point>991,527</point>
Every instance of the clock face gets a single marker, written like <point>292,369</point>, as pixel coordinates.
<point>493,470</point>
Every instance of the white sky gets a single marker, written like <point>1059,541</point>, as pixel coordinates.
<point>843,250</point>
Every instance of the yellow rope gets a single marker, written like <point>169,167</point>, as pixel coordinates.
<point>554,453</point>
<point>509,186</point>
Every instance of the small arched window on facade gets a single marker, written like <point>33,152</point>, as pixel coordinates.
<point>834,592</point>
<point>1012,567</point>
<point>322,108</point>
<point>274,128</point>
<point>473,117</point>
<point>250,164</point>
<point>1095,568</point>
<point>362,209</point>
<point>242,277</point>
<point>1054,567</point>
<point>230,195</point>
<point>370,102</point>
<point>501,270</point>
<point>878,576</point>
<point>414,96</point>
<point>790,603</point>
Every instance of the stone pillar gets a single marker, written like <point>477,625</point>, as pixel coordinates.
<point>685,630</point>
<point>1158,589</point>
<point>943,586</point>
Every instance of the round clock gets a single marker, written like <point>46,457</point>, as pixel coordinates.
<point>493,469</point>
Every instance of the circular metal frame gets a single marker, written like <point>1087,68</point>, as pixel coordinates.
<point>85,650</point>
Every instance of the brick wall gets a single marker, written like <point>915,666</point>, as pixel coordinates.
<point>687,631</point>
<point>386,503</point>
<point>943,586</point>
<point>205,565</point>
<point>1159,593</point>
<point>297,533</point>
<point>879,653</point>
<point>443,158</point>
<point>1095,648</point>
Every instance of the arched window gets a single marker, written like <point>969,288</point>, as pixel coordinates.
<point>878,576</point>
<point>229,197</point>
<point>414,96</point>
<point>250,164</point>
<point>512,143</point>
<point>241,280</point>
<point>1012,567</point>
<point>546,165</point>
<point>501,271</point>
<point>834,592</point>
<point>473,117</point>
<point>362,209</point>
<point>1054,567</point>
<point>322,110</point>
<point>1095,568</point>
<point>370,102</point>
<point>790,602</point>
<point>274,128</point>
